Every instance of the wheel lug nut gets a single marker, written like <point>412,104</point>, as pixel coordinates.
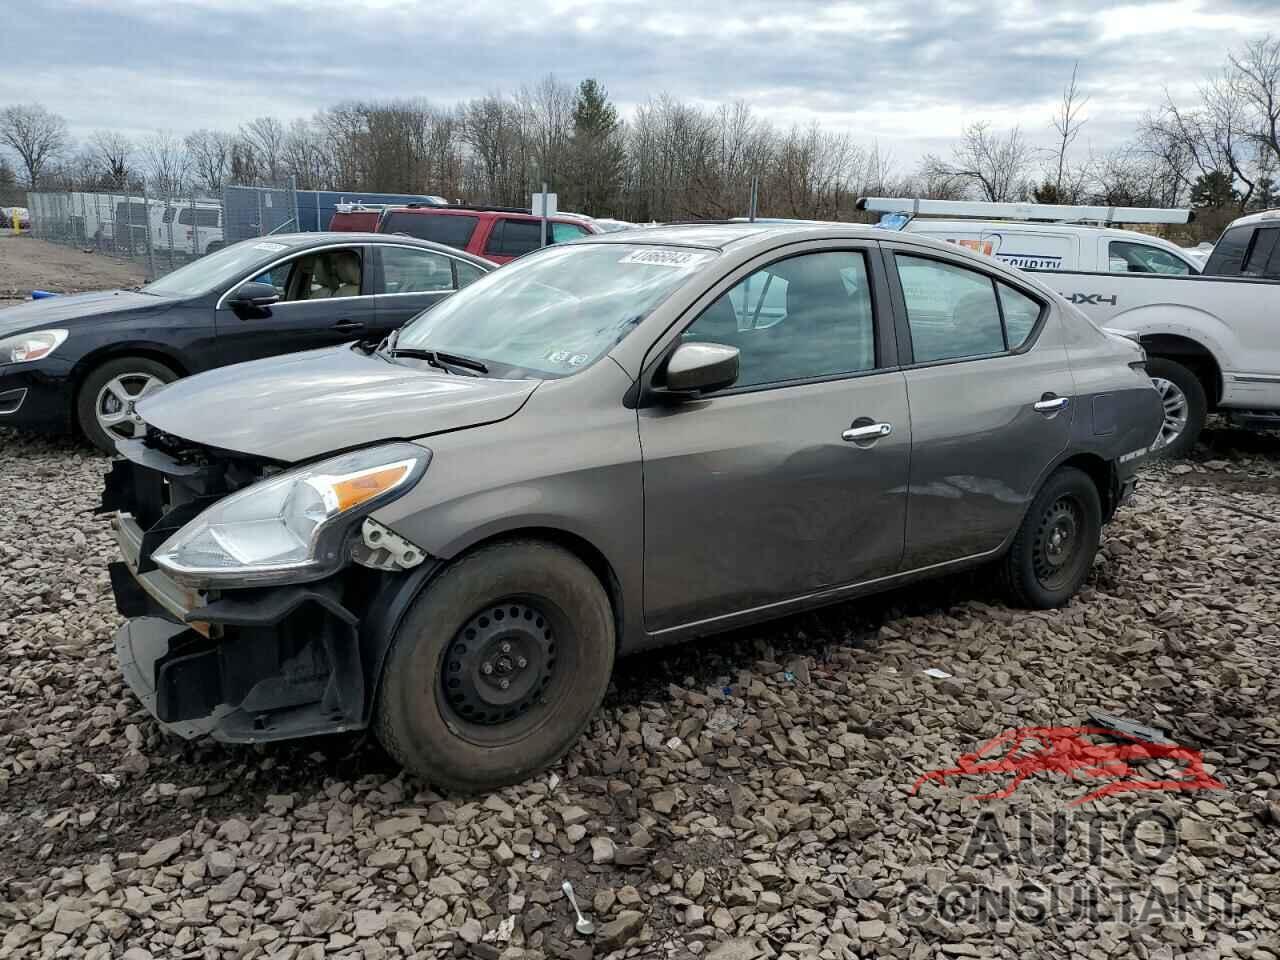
<point>504,683</point>
<point>522,663</point>
<point>506,648</point>
<point>487,669</point>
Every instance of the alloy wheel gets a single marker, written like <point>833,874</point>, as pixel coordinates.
<point>1175,412</point>
<point>114,405</point>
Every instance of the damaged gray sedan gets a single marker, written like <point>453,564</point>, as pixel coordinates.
<point>607,446</point>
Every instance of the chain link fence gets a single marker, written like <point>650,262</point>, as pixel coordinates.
<point>159,230</point>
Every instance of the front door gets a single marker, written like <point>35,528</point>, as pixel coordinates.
<point>992,403</point>
<point>325,299</point>
<point>786,483</point>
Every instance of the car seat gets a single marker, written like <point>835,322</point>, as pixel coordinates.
<point>322,280</point>
<point>346,268</point>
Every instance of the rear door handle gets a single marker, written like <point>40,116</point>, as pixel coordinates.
<point>348,325</point>
<point>1051,404</point>
<point>871,431</point>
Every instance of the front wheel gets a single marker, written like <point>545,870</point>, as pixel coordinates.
<point>497,667</point>
<point>1056,543</point>
<point>105,404</point>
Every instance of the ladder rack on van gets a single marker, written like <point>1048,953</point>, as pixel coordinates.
<point>1051,212</point>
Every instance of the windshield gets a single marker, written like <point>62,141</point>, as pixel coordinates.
<point>555,312</point>
<point>210,272</point>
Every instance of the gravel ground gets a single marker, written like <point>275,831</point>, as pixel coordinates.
<point>28,264</point>
<point>749,796</point>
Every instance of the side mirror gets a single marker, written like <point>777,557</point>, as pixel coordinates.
<point>254,294</point>
<point>696,368</point>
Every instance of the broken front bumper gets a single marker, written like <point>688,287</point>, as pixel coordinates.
<point>249,665</point>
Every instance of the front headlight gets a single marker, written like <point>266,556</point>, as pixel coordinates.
<point>290,527</point>
<point>26,347</point>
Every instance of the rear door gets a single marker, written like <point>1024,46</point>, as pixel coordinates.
<point>991,398</point>
<point>409,280</point>
<point>326,299</point>
<point>761,493</point>
<point>513,237</point>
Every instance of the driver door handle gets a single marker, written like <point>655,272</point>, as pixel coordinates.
<point>872,431</point>
<point>348,325</point>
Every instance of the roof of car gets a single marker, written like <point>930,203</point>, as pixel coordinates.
<point>324,237</point>
<point>718,235</point>
<point>1265,216</point>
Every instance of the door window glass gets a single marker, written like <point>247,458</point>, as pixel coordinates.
<point>1127,257</point>
<point>1020,315</point>
<point>415,271</point>
<point>564,232</point>
<point>451,229</point>
<point>316,276</point>
<point>952,312</point>
<point>805,316</point>
<point>1263,258</point>
<point>513,238</point>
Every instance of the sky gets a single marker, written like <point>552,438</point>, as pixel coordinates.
<point>906,74</point>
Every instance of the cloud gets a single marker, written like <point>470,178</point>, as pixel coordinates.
<point>909,74</point>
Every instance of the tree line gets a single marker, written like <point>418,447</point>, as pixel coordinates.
<point>672,160</point>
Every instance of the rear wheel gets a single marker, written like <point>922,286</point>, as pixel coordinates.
<point>105,405</point>
<point>497,667</point>
<point>1055,546</point>
<point>1185,407</point>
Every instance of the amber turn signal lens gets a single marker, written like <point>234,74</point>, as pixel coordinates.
<point>353,491</point>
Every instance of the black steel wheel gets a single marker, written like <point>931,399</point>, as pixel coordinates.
<point>1054,548</point>
<point>497,667</point>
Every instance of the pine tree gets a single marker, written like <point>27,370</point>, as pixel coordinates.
<point>596,150</point>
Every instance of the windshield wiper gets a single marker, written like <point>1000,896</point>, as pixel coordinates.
<point>439,359</point>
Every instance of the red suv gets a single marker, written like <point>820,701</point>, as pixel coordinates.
<point>499,234</point>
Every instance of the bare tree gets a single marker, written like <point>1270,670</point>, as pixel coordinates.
<point>37,136</point>
<point>996,165</point>
<point>1067,123</point>
<point>111,152</point>
<point>265,136</point>
<point>167,164</point>
<point>1255,81</point>
<point>210,153</point>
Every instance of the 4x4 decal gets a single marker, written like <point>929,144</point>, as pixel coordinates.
<point>1091,298</point>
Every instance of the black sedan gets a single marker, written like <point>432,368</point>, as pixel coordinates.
<point>83,361</point>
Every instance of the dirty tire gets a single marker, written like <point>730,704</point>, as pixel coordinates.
<point>1197,406</point>
<point>414,718</point>
<point>86,399</point>
<point>1033,576</point>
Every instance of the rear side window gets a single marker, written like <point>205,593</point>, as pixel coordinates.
<point>1228,254</point>
<point>514,238</point>
<point>564,232</point>
<point>453,230</point>
<point>1263,258</point>
<point>1021,314</point>
<point>1127,257</point>
<point>952,312</point>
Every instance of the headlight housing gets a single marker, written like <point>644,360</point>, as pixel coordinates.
<point>25,347</point>
<point>290,527</point>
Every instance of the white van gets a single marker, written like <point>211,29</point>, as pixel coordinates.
<point>1024,235</point>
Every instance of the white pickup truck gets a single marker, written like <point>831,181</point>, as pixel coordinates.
<point>1212,338</point>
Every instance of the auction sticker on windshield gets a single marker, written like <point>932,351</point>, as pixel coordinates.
<point>665,258</point>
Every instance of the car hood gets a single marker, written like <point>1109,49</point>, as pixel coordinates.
<point>304,405</point>
<point>51,311</point>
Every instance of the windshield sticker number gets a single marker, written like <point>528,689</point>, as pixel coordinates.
<point>270,247</point>
<point>665,258</point>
